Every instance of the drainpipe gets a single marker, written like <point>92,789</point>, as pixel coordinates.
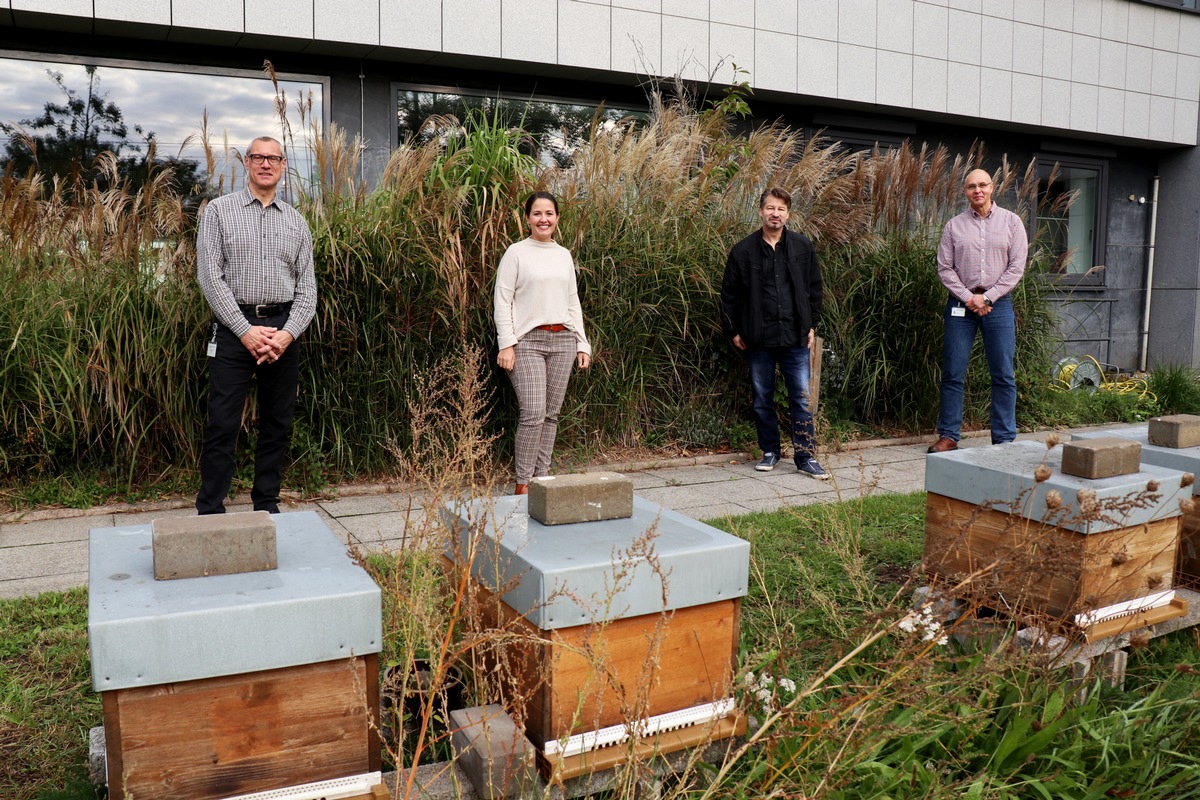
<point>1149,277</point>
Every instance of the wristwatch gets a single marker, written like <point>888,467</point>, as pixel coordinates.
<point>987,302</point>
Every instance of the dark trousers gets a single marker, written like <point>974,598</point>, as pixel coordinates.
<point>229,375</point>
<point>793,363</point>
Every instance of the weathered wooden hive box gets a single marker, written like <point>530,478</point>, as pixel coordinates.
<point>620,620</point>
<point>1105,542</point>
<point>1184,459</point>
<point>232,684</point>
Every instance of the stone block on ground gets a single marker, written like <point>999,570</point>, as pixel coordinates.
<point>1101,458</point>
<point>493,751</point>
<point>214,544</point>
<point>97,757</point>
<point>583,497</point>
<point>1176,430</point>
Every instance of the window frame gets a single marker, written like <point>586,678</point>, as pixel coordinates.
<point>1080,280</point>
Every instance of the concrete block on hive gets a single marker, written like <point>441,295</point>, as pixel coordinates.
<point>584,497</point>
<point>1176,430</point>
<point>493,751</point>
<point>215,544</point>
<point>1104,457</point>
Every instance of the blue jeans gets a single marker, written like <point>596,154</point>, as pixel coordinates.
<point>793,363</point>
<point>999,345</point>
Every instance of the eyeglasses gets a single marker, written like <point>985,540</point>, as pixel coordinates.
<point>258,158</point>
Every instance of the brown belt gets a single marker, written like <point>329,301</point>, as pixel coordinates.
<point>552,328</point>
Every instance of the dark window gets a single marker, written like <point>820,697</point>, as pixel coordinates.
<point>557,126</point>
<point>1071,217</point>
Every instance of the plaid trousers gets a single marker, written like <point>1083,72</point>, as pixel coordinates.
<point>544,361</point>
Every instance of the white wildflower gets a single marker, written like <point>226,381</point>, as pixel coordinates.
<point>787,684</point>
<point>922,622</point>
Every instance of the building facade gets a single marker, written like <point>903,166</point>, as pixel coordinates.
<point>1108,90</point>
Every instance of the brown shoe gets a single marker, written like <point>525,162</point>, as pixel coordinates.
<point>943,445</point>
<point>522,488</point>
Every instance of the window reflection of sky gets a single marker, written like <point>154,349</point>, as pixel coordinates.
<point>172,106</point>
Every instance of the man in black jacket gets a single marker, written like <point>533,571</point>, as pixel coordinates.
<point>770,307</point>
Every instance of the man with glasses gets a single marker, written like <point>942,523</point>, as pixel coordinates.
<point>254,263</point>
<point>771,299</point>
<point>981,259</point>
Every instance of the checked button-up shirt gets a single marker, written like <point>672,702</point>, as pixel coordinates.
<point>248,254</point>
<point>988,252</point>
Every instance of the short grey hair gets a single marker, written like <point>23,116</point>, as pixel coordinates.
<point>278,143</point>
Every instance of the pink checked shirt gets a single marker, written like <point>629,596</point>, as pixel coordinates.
<point>983,251</point>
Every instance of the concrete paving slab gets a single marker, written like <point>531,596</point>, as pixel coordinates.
<point>147,517</point>
<point>889,474</point>
<point>647,480</point>
<point>877,455</point>
<point>31,587</point>
<point>789,481</point>
<point>901,482</point>
<point>374,530</point>
<point>716,511</point>
<point>676,476</point>
<point>57,558</point>
<point>784,501</point>
<point>745,489</point>
<point>682,498</point>
<point>74,529</point>
<point>370,504</point>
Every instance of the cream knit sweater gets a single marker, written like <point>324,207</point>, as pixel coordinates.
<point>535,285</point>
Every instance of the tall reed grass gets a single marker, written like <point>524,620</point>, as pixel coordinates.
<point>101,325</point>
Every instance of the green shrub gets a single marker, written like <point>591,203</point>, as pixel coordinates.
<point>1176,388</point>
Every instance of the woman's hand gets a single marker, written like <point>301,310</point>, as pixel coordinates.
<point>507,358</point>
<point>583,360</point>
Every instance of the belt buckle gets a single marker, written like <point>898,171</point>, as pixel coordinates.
<point>258,310</point>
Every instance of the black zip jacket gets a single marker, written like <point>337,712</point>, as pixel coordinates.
<point>742,292</point>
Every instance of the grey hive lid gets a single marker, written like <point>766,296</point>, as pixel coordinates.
<point>1002,476</point>
<point>566,575</point>
<point>317,606</point>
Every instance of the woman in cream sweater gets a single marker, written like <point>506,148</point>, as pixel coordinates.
<point>539,325</point>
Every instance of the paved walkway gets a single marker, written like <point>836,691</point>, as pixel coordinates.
<point>39,554</point>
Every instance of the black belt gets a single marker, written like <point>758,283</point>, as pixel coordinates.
<point>264,310</point>
<point>978,290</point>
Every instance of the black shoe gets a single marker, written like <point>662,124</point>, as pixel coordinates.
<point>769,460</point>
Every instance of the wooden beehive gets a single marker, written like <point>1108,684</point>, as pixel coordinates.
<point>233,735</point>
<point>1185,459</point>
<point>988,527</point>
<point>226,685</point>
<point>655,655</point>
<point>1042,568</point>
